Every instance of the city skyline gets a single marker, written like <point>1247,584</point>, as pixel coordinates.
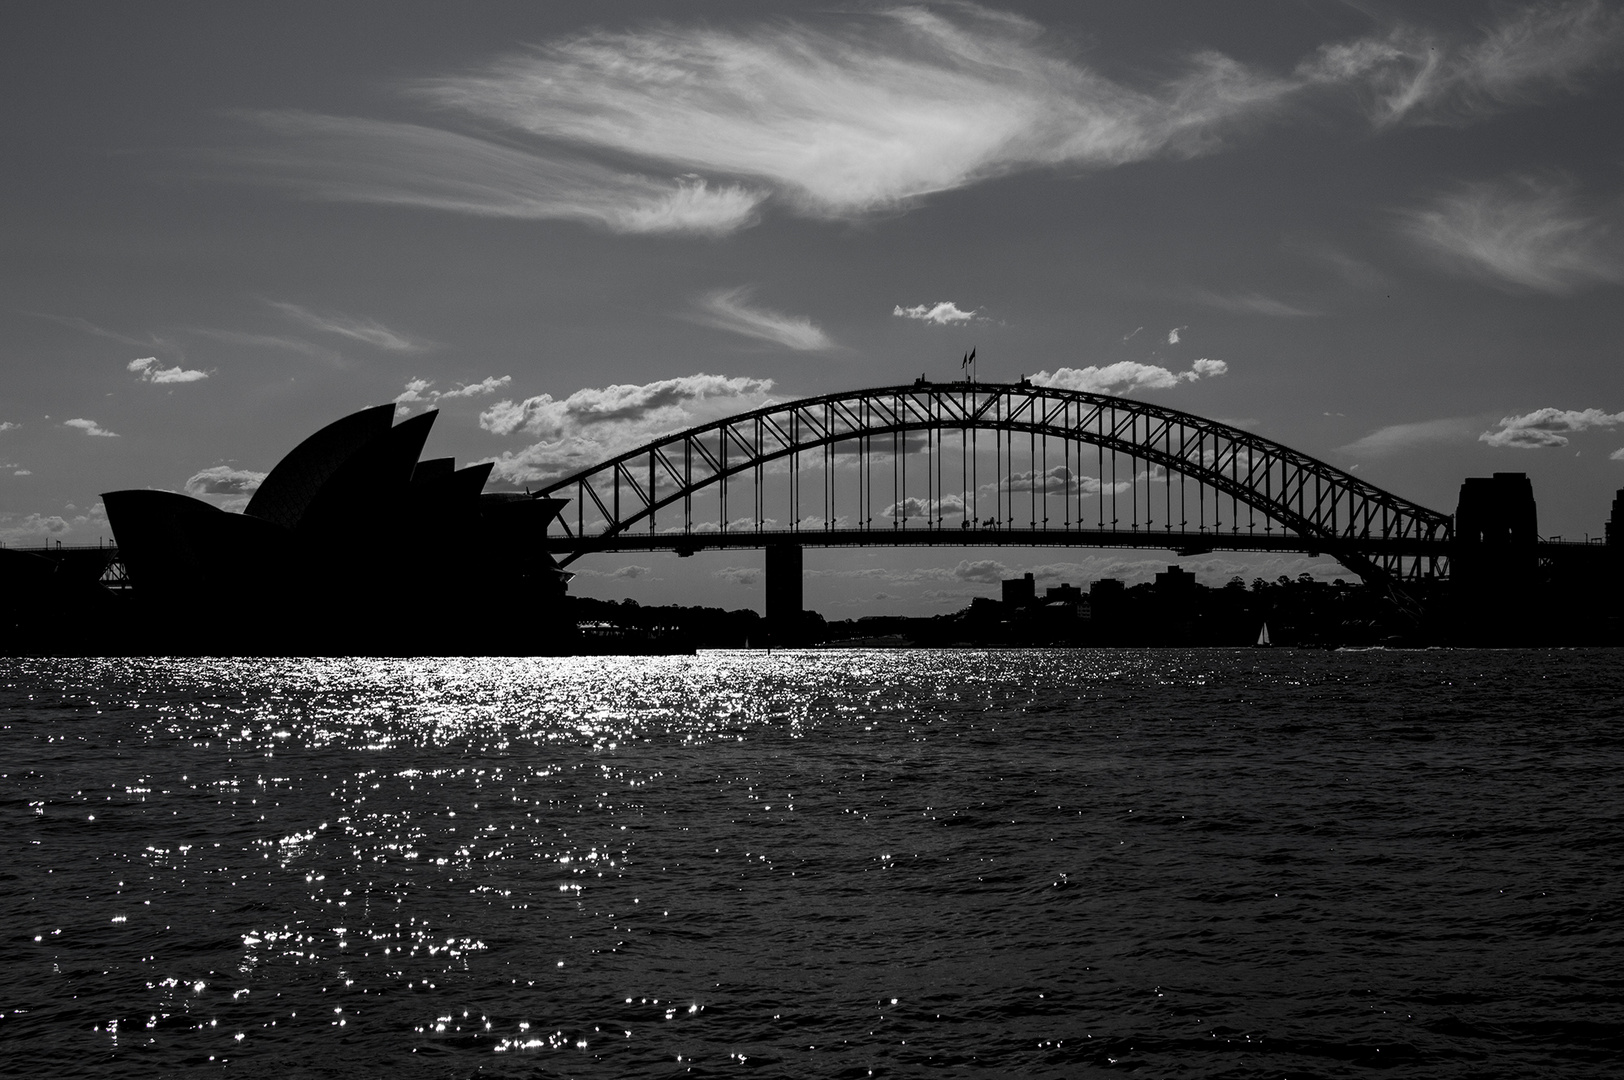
<point>1389,242</point>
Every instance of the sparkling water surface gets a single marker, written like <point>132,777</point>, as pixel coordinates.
<point>1198,863</point>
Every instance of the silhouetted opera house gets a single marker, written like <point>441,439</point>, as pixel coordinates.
<point>350,545</point>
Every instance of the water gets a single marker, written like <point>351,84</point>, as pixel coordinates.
<point>1205,863</point>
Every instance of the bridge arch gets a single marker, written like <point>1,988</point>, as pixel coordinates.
<point>1305,504</point>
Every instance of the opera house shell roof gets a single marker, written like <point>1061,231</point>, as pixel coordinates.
<point>350,544</point>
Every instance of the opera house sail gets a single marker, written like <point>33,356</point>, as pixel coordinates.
<point>351,545</point>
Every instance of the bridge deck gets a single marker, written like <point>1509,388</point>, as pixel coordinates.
<point>1151,539</point>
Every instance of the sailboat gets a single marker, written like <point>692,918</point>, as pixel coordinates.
<point>1263,641</point>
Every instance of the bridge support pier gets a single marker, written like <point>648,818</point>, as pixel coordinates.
<point>784,623</point>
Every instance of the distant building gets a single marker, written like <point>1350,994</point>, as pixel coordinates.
<point>1175,581</point>
<point>1019,592</point>
<point>1071,594</point>
<point>1106,591</point>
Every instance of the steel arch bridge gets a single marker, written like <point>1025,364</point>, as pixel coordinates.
<point>978,464</point>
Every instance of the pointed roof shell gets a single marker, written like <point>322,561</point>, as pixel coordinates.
<point>285,494</point>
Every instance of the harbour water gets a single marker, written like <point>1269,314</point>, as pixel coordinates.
<point>1201,863</point>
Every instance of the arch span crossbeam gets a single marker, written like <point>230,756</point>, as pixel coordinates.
<point>984,461</point>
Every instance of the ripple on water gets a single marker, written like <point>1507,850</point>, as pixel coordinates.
<point>1201,863</point>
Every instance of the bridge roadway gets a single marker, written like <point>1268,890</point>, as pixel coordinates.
<point>1183,543</point>
<point>95,561</point>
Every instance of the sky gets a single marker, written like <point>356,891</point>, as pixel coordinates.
<point>1388,235</point>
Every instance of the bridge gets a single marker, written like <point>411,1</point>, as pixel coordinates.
<point>989,464</point>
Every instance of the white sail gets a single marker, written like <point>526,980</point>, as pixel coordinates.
<point>1263,635</point>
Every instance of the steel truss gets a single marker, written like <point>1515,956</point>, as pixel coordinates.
<point>1109,466</point>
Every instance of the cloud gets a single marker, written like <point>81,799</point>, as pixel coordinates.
<point>1060,479</point>
<point>1548,427</point>
<point>369,331</point>
<point>1253,304</point>
<point>269,341</point>
<point>1173,335</point>
<point>694,128</point>
<point>1354,272</point>
<point>223,480</point>
<point>980,571</point>
<point>346,159</point>
<point>739,575</point>
<point>417,392</point>
<point>7,425</point>
<point>34,526</point>
<point>914,509</point>
<point>90,427</point>
<point>1057,479</point>
<point>152,341</point>
<point>592,425</point>
<point>1519,234</point>
<point>667,399</point>
<point>870,114</point>
<point>1126,376</point>
<point>488,385</point>
<point>623,573</point>
<point>23,472</point>
<point>147,370</point>
<point>728,309</point>
<point>1410,75</point>
<point>942,313</point>
<point>1400,437</point>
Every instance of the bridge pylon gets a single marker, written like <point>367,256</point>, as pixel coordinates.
<point>784,595</point>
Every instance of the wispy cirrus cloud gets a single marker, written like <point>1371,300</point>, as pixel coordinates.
<point>846,114</point>
<point>90,427</point>
<point>268,341</point>
<point>1413,75</point>
<point>147,370</point>
<point>1252,304</point>
<point>1126,376</point>
<point>869,113</point>
<point>1353,272</point>
<point>942,313</point>
<point>1520,234</point>
<point>151,341</point>
<point>369,331</point>
<point>595,424</point>
<point>1547,428</point>
<point>1397,438</point>
<point>349,159</point>
<point>731,310</point>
